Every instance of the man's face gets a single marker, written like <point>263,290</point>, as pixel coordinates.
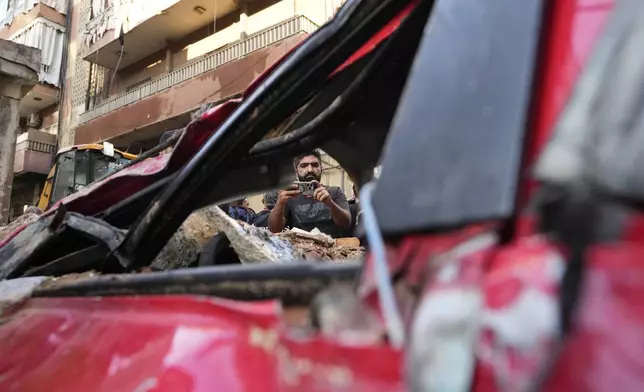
<point>309,169</point>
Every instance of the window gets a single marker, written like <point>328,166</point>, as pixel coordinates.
<point>64,179</point>
<point>80,171</point>
<point>103,165</point>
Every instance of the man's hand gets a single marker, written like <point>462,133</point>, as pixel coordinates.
<point>322,194</point>
<point>276,219</point>
<point>340,216</point>
<point>287,194</point>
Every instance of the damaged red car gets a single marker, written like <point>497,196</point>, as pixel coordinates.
<point>504,230</point>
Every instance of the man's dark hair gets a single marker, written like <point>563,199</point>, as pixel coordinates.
<point>270,199</point>
<point>298,158</point>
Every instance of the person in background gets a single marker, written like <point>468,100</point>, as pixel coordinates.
<point>246,205</point>
<point>354,208</point>
<point>326,209</point>
<point>238,210</point>
<point>269,200</point>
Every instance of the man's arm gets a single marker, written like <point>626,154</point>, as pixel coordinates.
<point>338,205</point>
<point>277,219</point>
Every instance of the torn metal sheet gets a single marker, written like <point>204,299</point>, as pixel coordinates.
<point>599,139</point>
<point>21,251</point>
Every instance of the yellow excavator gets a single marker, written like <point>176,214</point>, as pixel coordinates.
<point>78,166</point>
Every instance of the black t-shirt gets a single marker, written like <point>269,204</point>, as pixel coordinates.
<point>261,220</point>
<point>306,213</point>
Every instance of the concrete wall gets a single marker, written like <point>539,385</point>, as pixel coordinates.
<point>76,78</point>
<point>49,116</point>
<point>27,161</point>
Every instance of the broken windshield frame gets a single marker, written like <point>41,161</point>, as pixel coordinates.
<point>287,88</point>
<point>270,165</point>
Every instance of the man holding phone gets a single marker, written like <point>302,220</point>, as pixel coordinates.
<point>324,207</point>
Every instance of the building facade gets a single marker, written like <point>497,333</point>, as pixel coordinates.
<point>133,69</point>
<point>43,25</point>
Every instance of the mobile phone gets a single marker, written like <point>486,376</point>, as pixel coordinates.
<point>305,187</point>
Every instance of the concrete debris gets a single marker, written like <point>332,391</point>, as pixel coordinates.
<point>14,291</point>
<point>316,248</point>
<point>186,244</point>
<point>24,219</point>
<point>252,244</point>
<point>314,235</point>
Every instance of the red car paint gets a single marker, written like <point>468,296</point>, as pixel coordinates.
<point>573,26</point>
<point>180,343</point>
<point>177,344</point>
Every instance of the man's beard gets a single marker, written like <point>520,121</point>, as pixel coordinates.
<point>309,177</point>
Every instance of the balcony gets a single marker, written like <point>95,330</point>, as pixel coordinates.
<point>147,26</point>
<point>34,153</point>
<point>16,12</point>
<point>39,98</point>
<point>235,51</point>
<point>49,37</point>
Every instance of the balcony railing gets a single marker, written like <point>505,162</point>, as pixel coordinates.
<point>218,58</point>
<point>35,145</point>
<point>34,152</point>
<point>41,147</point>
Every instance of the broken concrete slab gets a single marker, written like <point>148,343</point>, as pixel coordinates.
<point>20,55</point>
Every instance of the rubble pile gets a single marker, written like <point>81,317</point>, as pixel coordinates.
<point>185,245</point>
<point>252,244</point>
<point>318,246</point>
<point>24,219</point>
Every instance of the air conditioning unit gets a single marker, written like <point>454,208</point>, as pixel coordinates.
<point>34,120</point>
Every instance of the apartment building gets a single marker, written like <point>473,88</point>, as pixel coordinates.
<point>136,68</point>
<point>39,24</point>
<point>150,64</point>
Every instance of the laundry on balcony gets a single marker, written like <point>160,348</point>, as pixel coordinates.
<point>49,37</point>
<point>102,18</point>
<point>10,9</point>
